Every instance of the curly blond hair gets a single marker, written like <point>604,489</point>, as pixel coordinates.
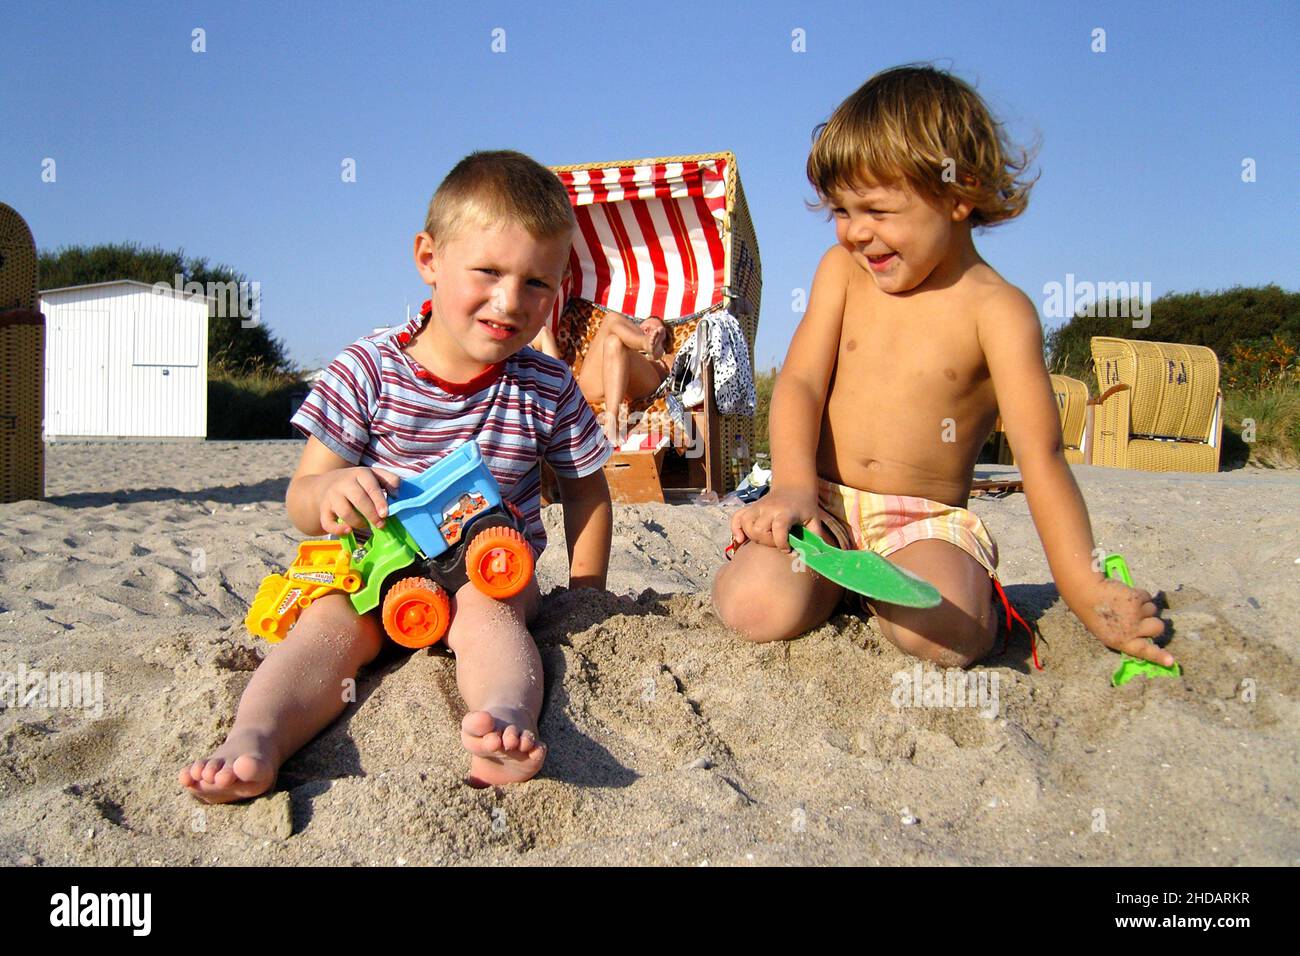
<point>925,127</point>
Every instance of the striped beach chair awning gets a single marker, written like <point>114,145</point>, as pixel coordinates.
<point>650,235</point>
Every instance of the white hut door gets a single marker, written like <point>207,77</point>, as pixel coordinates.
<point>80,361</point>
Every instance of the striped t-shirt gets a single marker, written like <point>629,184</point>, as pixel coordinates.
<point>375,406</point>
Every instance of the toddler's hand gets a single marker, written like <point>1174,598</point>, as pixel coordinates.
<point>769,519</point>
<point>353,499</point>
<point>1125,619</point>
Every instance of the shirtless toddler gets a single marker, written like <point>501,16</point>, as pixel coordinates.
<point>910,346</point>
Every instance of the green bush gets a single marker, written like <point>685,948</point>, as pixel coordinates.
<point>254,404</point>
<point>1260,365</point>
<point>1245,318</point>
<point>764,382</point>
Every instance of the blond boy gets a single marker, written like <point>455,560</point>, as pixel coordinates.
<point>493,252</point>
<point>910,347</point>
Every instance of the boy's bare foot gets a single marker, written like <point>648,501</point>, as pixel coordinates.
<point>505,749</point>
<point>241,768</point>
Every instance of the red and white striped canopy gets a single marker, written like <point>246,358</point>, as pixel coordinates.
<point>649,237</point>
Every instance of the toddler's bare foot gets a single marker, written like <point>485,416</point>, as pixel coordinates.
<point>505,748</point>
<point>242,767</point>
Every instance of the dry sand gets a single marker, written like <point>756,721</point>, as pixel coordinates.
<point>671,742</point>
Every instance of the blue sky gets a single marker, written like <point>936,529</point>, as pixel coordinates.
<point>235,153</point>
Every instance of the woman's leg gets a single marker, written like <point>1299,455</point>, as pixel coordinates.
<point>615,371</point>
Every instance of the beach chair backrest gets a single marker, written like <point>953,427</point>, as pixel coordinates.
<point>1174,386</point>
<point>22,363</point>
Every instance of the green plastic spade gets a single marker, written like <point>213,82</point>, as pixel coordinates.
<point>1129,666</point>
<point>865,572</point>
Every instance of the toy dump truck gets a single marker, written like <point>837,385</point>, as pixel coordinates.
<point>444,527</point>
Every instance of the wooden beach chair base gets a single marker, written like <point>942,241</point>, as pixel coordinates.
<point>663,475</point>
<point>633,476</point>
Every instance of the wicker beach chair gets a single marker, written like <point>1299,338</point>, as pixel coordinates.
<point>672,237</point>
<point>1159,406</point>
<point>22,364</point>
<point>1072,401</point>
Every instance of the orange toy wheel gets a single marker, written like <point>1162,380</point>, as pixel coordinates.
<point>416,612</point>
<point>499,562</point>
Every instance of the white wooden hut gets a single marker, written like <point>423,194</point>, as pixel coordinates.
<point>125,360</point>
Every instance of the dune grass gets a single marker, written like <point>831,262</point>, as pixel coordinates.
<point>252,404</point>
<point>1262,424</point>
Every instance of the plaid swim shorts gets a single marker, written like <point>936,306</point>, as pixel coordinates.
<point>866,521</point>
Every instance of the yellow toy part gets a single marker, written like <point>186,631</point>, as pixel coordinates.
<point>321,567</point>
<point>325,562</point>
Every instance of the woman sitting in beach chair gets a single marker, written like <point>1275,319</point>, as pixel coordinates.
<point>631,365</point>
<point>669,237</point>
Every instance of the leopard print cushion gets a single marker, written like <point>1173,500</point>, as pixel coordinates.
<point>579,324</point>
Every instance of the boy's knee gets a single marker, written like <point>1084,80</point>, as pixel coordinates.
<point>332,619</point>
<point>473,607</point>
<point>727,604</point>
<point>745,608</point>
<point>959,645</point>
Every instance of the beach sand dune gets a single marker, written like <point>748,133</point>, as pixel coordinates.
<point>671,741</point>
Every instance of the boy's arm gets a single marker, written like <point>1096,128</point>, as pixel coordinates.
<point>794,421</point>
<point>799,396</point>
<point>588,527</point>
<point>1122,618</point>
<point>320,484</point>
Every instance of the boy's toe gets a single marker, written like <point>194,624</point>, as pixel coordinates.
<point>224,778</point>
<point>510,738</point>
<point>486,771</point>
<point>478,733</point>
<point>478,723</point>
<point>250,769</point>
